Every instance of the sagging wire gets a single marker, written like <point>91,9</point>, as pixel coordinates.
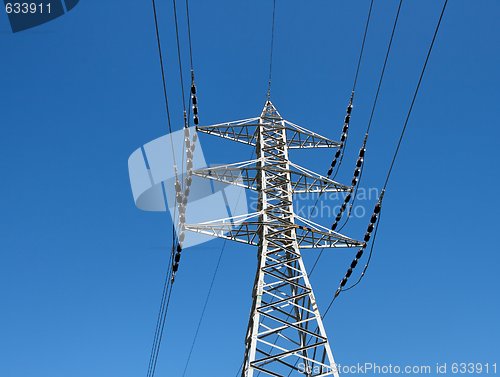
<point>351,100</point>
<point>271,53</point>
<point>374,106</point>
<point>167,287</point>
<point>360,170</point>
<point>189,143</point>
<point>376,216</point>
<point>207,299</point>
<point>339,154</point>
<point>375,219</point>
<point>359,254</point>
<point>181,194</point>
<point>366,239</point>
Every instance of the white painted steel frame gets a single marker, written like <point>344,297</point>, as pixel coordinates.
<point>285,333</point>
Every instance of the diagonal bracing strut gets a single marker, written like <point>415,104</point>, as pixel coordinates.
<point>284,306</point>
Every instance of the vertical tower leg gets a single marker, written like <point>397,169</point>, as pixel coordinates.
<point>285,334</point>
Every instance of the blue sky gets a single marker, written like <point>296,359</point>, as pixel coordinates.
<point>81,268</point>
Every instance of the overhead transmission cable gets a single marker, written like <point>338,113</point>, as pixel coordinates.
<point>188,18</point>
<point>273,23</point>
<point>344,135</point>
<point>271,52</point>
<point>167,287</point>
<point>193,98</point>
<point>375,220</point>
<point>361,50</point>
<point>395,155</point>
<point>205,304</point>
<point>400,140</point>
<point>168,284</point>
<point>214,275</point>
<point>194,103</point>
<point>189,142</point>
<point>179,58</point>
<point>374,105</point>
<point>339,155</point>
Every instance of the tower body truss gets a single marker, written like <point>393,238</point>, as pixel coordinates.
<point>285,335</point>
<point>245,174</point>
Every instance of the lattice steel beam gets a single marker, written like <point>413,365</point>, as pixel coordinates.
<point>246,131</point>
<point>245,174</point>
<point>285,335</point>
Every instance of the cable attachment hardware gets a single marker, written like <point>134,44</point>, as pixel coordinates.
<point>194,100</point>
<point>343,138</point>
<point>354,182</point>
<point>183,195</point>
<point>366,239</point>
<point>181,236</point>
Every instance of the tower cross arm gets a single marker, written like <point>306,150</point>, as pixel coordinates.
<point>246,228</point>
<point>245,174</point>
<point>245,131</point>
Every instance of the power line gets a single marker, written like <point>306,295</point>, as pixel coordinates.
<point>160,56</point>
<point>168,284</point>
<point>174,3</point>
<point>163,79</point>
<point>402,134</point>
<point>370,254</point>
<point>401,139</point>
<point>160,317</point>
<point>373,106</point>
<point>193,99</point>
<point>358,66</point>
<point>415,94</point>
<point>392,162</point>
<point>362,46</point>
<point>167,291</point>
<point>155,360</point>
<point>271,52</point>
<point>188,18</point>
<point>344,137</point>
<point>204,307</point>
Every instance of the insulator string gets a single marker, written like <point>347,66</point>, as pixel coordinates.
<point>356,75</point>
<point>164,304</point>
<point>366,239</point>
<point>375,224</point>
<point>375,101</point>
<point>353,196</point>
<point>400,141</point>
<point>181,193</point>
<point>339,154</point>
<point>354,183</point>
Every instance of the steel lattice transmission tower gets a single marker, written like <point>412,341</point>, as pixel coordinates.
<point>285,336</point>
